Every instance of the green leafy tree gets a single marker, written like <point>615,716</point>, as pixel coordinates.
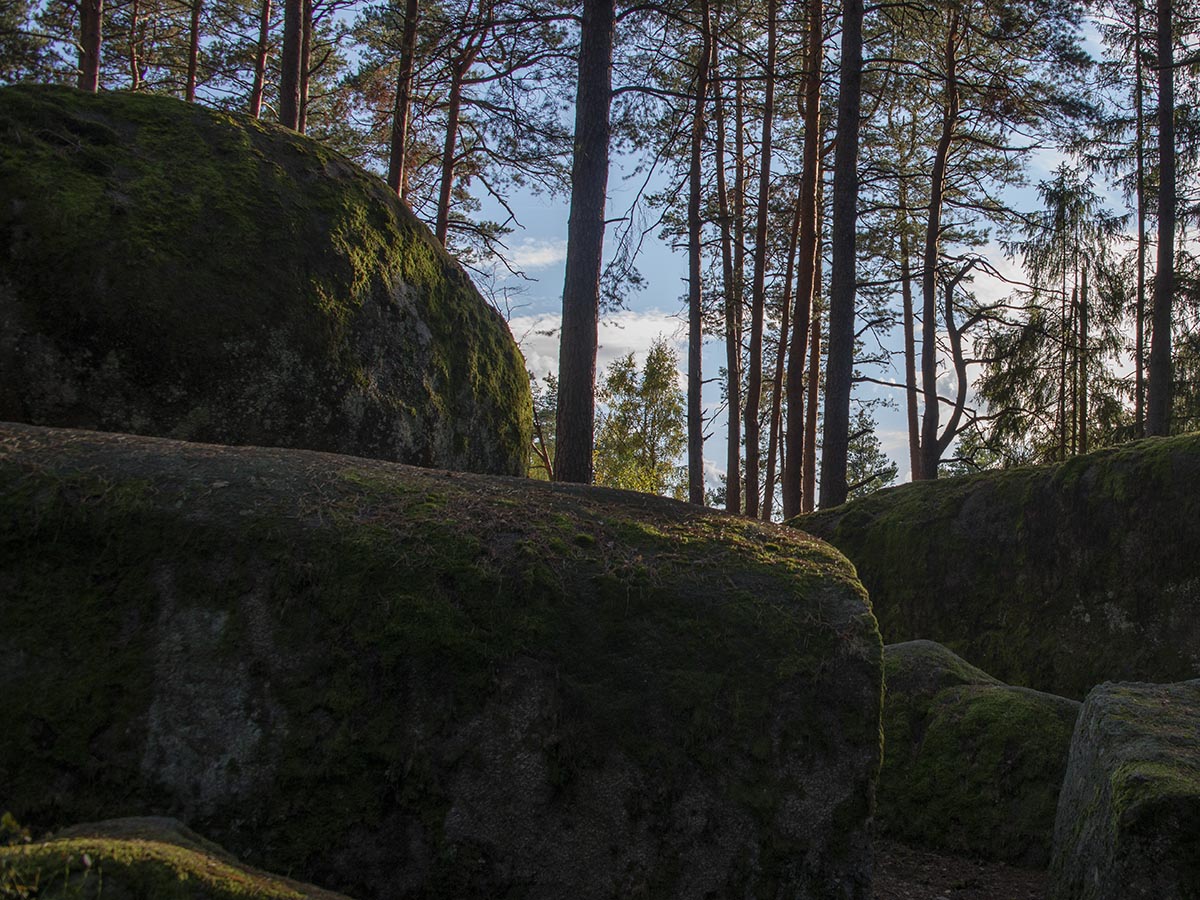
<point>641,430</point>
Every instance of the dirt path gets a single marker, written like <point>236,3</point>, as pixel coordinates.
<point>907,873</point>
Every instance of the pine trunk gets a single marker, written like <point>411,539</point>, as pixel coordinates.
<point>585,246</point>
<point>91,28</point>
<point>399,144</point>
<point>758,289</point>
<point>733,337</point>
<point>807,285</point>
<point>260,59</point>
<point>695,416</point>
<point>839,364</point>
<point>289,83</point>
<point>189,93</point>
<point>1158,394</point>
<point>929,360</point>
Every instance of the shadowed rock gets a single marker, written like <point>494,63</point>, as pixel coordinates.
<point>173,270</point>
<point>402,683</point>
<point>1128,823</point>
<point>970,765</point>
<point>1055,577</point>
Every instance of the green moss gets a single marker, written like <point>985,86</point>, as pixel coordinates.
<point>670,634</point>
<point>167,242</point>
<point>140,859</point>
<point>969,765</point>
<point>1053,577</point>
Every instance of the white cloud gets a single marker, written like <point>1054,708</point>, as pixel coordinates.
<point>537,253</point>
<point>621,333</point>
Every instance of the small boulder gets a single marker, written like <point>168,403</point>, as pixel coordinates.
<point>172,270</point>
<point>150,857</point>
<point>970,765</point>
<point>1128,823</point>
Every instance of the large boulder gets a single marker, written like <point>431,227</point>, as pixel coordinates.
<point>402,683</point>
<point>970,765</point>
<point>171,270</point>
<point>1128,823</point>
<point>137,858</point>
<point>1055,577</point>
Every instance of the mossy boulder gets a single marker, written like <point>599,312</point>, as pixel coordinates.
<point>1054,577</point>
<point>970,765</point>
<point>172,270</point>
<point>403,683</point>
<point>1128,823</point>
<point>138,859</point>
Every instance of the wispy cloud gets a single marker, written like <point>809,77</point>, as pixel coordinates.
<point>622,333</point>
<point>537,253</point>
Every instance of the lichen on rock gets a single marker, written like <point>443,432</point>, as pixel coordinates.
<point>403,683</point>
<point>970,765</point>
<point>1052,577</point>
<point>1128,824</point>
<point>178,271</point>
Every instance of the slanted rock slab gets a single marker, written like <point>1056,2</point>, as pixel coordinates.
<point>402,683</point>
<point>1128,824</point>
<point>147,857</point>
<point>172,270</point>
<point>970,765</point>
<point>1051,577</point>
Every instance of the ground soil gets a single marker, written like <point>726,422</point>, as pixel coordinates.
<point>909,873</point>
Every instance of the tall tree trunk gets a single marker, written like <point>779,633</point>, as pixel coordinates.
<point>585,246</point>
<point>1073,336</point>
<point>289,82</point>
<point>695,419</point>
<point>733,336</point>
<point>1139,328</point>
<point>446,185</point>
<point>813,387</point>
<point>807,285</point>
<point>260,59</point>
<point>1158,395</point>
<point>1065,317</point>
<point>950,108</point>
<point>1083,363</point>
<point>758,289</point>
<point>91,28</point>
<point>910,359</point>
<point>839,364</point>
<point>306,42</point>
<point>775,435</point>
<point>399,145</point>
<point>135,71</point>
<point>739,242</point>
<point>189,93</point>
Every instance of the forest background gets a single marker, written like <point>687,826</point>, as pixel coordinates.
<point>1026,181</point>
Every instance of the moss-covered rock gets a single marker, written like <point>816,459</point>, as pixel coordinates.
<point>168,269</point>
<point>1128,823</point>
<point>404,683</point>
<point>970,765</point>
<point>1056,577</point>
<point>138,859</point>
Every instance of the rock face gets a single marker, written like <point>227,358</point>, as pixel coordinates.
<point>140,857</point>
<point>970,765</point>
<point>1128,823</point>
<point>175,271</point>
<point>400,683</point>
<point>1055,578</point>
